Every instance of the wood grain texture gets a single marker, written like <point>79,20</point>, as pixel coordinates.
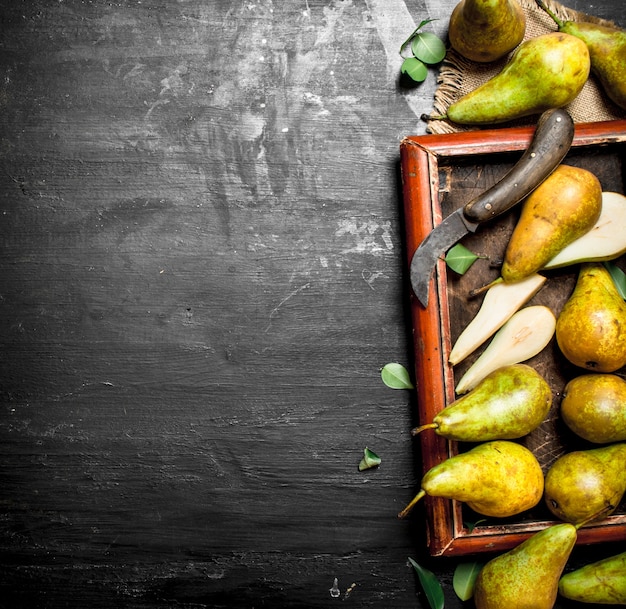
<point>201,275</point>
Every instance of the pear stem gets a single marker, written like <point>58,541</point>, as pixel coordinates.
<point>411,504</point>
<point>596,516</point>
<point>433,117</point>
<point>543,6</point>
<point>484,288</point>
<point>421,428</point>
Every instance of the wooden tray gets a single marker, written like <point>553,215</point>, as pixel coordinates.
<point>439,174</point>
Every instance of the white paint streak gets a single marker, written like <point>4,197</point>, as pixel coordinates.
<point>368,236</point>
<point>394,25</point>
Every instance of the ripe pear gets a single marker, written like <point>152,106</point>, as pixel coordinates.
<point>594,407</point>
<point>499,478</point>
<point>507,404</point>
<point>586,485</point>
<point>486,30</point>
<point>602,582</point>
<point>544,72</point>
<point>565,206</point>
<point>607,52</point>
<point>528,575</point>
<point>591,327</point>
<point>605,241</point>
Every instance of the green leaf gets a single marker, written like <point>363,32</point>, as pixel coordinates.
<point>459,258</point>
<point>430,584</point>
<point>428,47</point>
<point>464,579</point>
<point>396,376</point>
<point>619,277</point>
<point>370,459</point>
<point>414,33</point>
<point>414,68</point>
<point>472,525</point>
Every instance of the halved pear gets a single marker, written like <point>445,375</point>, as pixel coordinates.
<point>523,336</point>
<point>605,241</point>
<point>502,300</point>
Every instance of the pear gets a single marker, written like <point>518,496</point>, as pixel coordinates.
<point>607,52</point>
<point>602,582</point>
<point>565,206</point>
<point>594,407</point>
<point>507,404</point>
<point>499,478</point>
<point>528,575</point>
<point>524,335</point>
<point>500,303</point>
<point>586,485</point>
<point>591,327</point>
<point>544,72</point>
<point>605,241</point>
<point>486,30</point>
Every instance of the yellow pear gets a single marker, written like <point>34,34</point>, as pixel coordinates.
<point>565,206</point>
<point>587,485</point>
<point>499,478</point>
<point>594,407</point>
<point>486,30</point>
<point>591,327</point>
<point>607,51</point>
<point>527,577</point>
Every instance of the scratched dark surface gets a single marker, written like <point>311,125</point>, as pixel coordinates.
<point>201,275</point>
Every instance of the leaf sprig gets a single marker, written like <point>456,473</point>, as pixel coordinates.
<point>460,259</point>
<point>426,48</point>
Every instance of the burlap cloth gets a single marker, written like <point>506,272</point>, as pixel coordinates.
<point>458,76</point>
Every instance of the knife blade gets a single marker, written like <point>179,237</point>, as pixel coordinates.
<point>550,143</point>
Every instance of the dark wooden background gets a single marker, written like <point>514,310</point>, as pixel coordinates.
<point>201,274</point>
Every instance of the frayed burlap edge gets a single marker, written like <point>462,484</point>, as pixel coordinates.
<point>458,75</point>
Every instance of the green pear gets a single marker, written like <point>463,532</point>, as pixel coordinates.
<point>528,575</point>
<point>607,52</point>
<point>544,72</point>
<point>507,404</point>
<point>591,327</point>
<point>499,478</point>
<point>586,485</point>
<point>594,407</point>
<point>565,206</point>
<point>486,30</point>
<point>602,582</point>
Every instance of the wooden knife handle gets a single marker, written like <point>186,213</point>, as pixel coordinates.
<point>550,143</point>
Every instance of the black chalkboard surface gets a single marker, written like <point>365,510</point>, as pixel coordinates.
<point>202,272</point>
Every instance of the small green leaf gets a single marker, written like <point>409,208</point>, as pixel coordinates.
<point>430,584</point>
<point>619,277</point>
<point>370,459</point>
<point>464,579</point>
<point>414,68</point>
<point>396,376</point>
<point>414,33</point>
<point>472,525</point>
<point>460,259</point>
<point>428,47</point>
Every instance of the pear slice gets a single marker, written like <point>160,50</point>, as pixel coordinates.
<point>501,302</point>
<point>524,335</point>
<point>605,241</point>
